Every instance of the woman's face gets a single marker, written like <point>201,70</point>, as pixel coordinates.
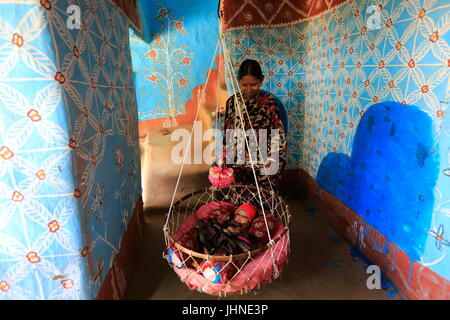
<point>249,86</point>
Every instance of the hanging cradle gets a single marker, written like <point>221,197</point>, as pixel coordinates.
<point>221,275</point>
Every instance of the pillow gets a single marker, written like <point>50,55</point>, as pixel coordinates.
<point>259,230</point>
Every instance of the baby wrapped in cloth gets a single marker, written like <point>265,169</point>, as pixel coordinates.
<point>229,237</point>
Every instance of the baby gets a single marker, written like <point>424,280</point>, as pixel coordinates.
<point>230,237</point>
<point>242,218</point>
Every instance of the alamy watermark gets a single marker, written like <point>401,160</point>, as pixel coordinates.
<point>374,20</point>
<point>374,281</point>
<point>74,17</point>
<point>241,147</point>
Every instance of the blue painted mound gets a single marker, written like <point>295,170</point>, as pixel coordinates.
<point>390,177</point>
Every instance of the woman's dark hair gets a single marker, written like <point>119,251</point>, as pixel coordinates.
<point>250,68</point>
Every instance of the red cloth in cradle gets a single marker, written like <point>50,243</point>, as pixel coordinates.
<point>259,270</point>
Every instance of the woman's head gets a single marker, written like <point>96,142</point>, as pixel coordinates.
<point>250,78</point>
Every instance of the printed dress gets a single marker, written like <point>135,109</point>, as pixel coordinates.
<point>260,112</point>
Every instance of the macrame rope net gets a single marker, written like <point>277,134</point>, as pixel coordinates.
<point>260,265</point>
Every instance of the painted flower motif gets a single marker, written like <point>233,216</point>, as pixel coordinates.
<point>153,54</point>
<point>381,65</point>
<point>153,78</point>
<point>158,38</point>
<point>76,52</point>
<point>438,235</point>
<point>84,252</point>
<point>72,143</point>
<point>4,286</point>
<point>163,13</point>
<point>67,283</point>
<point>422,13</point>
<point>179,26</point>
<point>33,257</point>
<point>424,89</point>
<point>186,61</point>
<point>182,82</point>
<point>46,4</point>
<point>434,37</point>
<point>6,153</point>
<point>34,115</point>
<point>17,39</point>
<point>440,113</point>
<point>391,84</point>
<point>411,63</point>
<point>398,46</point>
<point>248,17</point>
<point>17,196</point>
<point>77,193</point>
<point>60,77</point>
<point>53,226</point>
<point>40,174</point>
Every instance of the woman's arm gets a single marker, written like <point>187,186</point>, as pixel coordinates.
<point>277,150</point>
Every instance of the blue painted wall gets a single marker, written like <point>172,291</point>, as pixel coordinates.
<point>69,151</point>
<point>195,39</point>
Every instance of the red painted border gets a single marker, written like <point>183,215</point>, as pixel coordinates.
<point>239,14</point>
<point>115,283</point>
<point>412,278</point>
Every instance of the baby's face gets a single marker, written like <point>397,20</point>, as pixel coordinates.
<point>241,216</point>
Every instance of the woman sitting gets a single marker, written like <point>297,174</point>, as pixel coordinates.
<point>257,109</point>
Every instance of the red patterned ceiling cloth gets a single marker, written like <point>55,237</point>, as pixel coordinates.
<point>129,8</point>
<point>238,14</point>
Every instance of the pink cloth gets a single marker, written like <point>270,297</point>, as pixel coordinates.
<point>259,270</point>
